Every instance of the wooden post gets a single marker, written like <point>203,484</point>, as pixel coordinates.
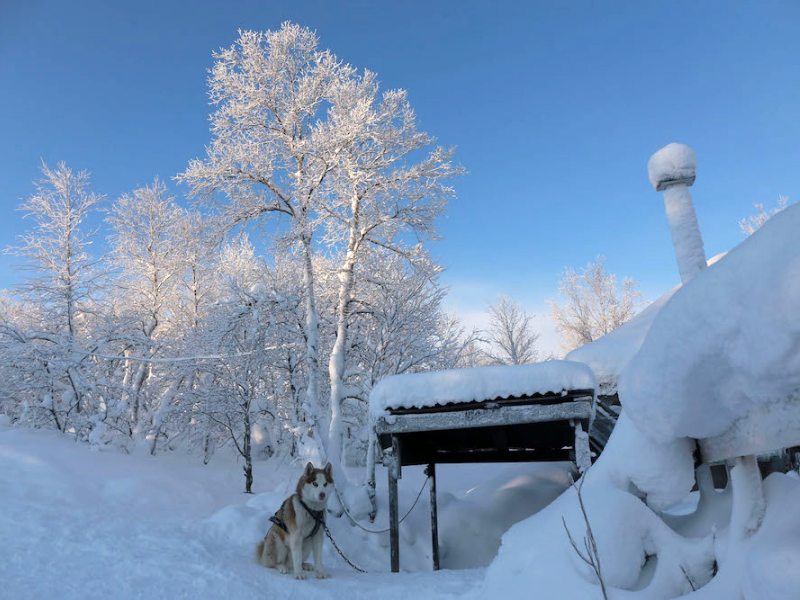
<point>394,533</point>
<point>583,453</point>
<point>431,471</point>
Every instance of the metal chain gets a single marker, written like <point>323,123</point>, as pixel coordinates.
<point>356,523</point>
<point>347,560</point>
<point>339,550</point>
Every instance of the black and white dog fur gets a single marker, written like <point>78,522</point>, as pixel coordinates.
<point>295,532</point>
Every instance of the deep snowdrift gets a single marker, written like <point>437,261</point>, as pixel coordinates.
<point>727,343</point>
<point>721,359</point>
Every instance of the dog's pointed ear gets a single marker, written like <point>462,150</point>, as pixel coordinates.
<point>309,469</point>
<point>328,470</point>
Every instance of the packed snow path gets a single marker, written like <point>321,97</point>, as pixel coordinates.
<point>81,524</point>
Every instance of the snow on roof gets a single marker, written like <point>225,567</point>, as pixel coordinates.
<point>609,355</point>
<point>726,345</point>
<point>672,162</point>
<point>418,390</point>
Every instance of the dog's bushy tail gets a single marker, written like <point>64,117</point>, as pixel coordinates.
<point>260,552</point>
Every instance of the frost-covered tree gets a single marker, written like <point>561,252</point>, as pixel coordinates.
<point>62,290</point>
<point>197,286</point>
<point>236,392</point>
<point>150,258</point>
<point>269,156</point>
<point>389,180</point>
<point>593,304</point>
<point>398,326</point>
<point>753,222</point>
<point>511,338</point>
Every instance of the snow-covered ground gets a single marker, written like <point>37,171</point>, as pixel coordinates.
<point>78,523</point>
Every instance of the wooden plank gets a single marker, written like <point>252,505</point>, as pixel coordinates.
<point>394,532</point>
<point>490,456</point>
<point>558,398</point>
<point>507,415</point>
<point>434,517</point>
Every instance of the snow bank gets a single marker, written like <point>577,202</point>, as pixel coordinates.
<point>660,474</point>
<point>726,345</point>
<point>672,162</point>
<point>765,566</point>
<point>472,524</point>
<point>483,383</point>
<point>638,552</point>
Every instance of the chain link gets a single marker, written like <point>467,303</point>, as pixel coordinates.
<point>352,520</point>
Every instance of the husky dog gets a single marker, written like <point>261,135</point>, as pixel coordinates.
<point>298,526</point>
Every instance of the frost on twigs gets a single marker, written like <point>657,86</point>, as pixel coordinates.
<point>673,164</point>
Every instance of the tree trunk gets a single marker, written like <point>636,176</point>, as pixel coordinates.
<point>336,365</point>
<point>337,361</point>
<point>311,404</point>
<point>248,456</point>
<point>371,448</point>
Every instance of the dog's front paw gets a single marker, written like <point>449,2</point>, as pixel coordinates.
<point>300,577</point>
<point>283,569</point>
<point>322,575</point>
<point>308,567</point>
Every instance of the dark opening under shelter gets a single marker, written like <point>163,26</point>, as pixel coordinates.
<point>524,413</point>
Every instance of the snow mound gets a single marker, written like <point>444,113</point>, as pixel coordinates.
<point>239,524</point>
<point>765,566</point>
<point>638,551</point>
<point>672,162</point>
<point>725,346</point>
<point>661,474</point>
<point>417,390</point>
<point>471,527</point>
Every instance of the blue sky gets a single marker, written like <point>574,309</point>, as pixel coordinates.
<point>555,108</point>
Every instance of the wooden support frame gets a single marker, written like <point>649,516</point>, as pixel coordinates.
<point>434,517</point>
<point>501,430</point>
<point>394,471</point>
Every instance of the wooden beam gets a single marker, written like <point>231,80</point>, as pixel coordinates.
<point>434,517</point>
<point>491,456</point>
<point>394,532</point>
<point>487,417</point>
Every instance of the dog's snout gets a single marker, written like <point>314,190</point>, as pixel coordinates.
<point>321,495</point>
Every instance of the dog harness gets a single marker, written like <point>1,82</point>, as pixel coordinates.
<point>317,515</point>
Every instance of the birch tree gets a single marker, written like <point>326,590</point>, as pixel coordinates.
<point>512,340</point>
<point>269,156</point>
<point>150,258</point>
<point>379,191</point>
<point>401,328</point>
<point>593,304</point>
<point>64,282</point>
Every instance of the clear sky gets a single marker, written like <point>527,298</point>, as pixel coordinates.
<point>555,108</point>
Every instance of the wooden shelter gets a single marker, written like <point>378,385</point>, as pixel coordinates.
<point>504,417</point>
